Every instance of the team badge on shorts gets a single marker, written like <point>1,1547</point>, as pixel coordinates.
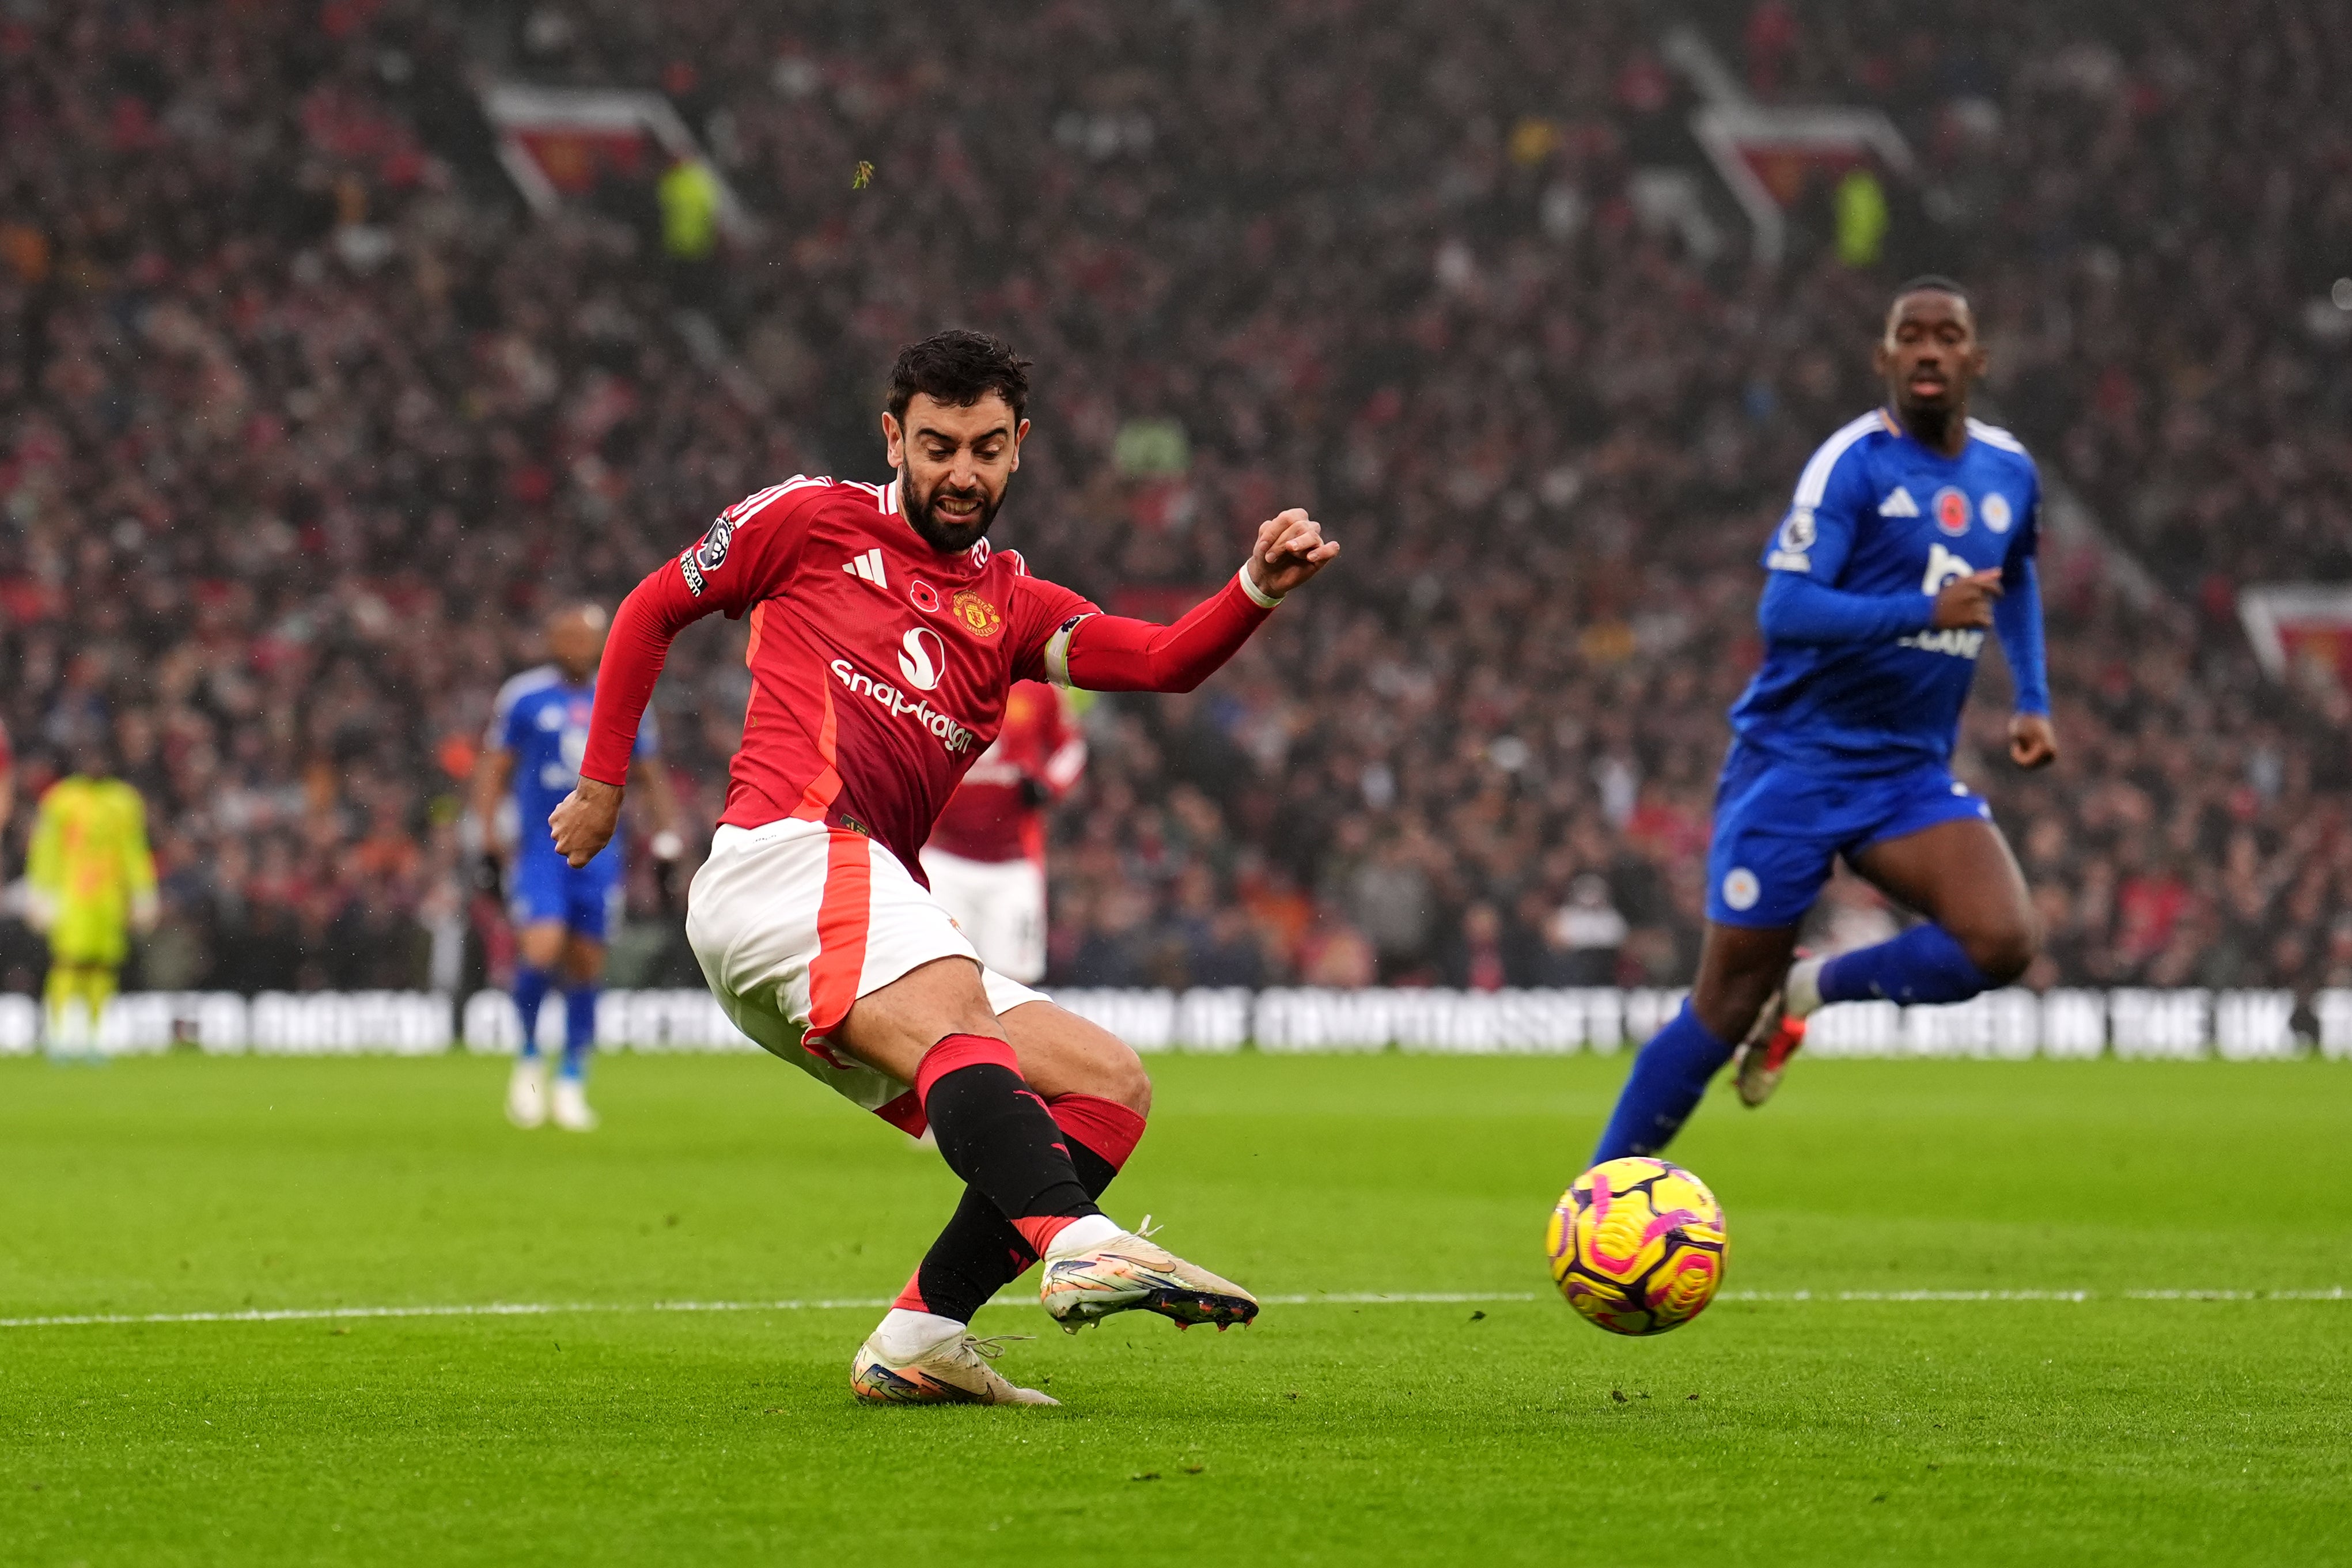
<point>1740,889</point>
<point>981,618</point>
<point>1950,510</point>
<point>1997,513</point>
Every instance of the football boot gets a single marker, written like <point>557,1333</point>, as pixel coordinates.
<point>1131,1272</point>
<point>568,1107</point>
<point>956,1371</point>
<point>527,1093</point>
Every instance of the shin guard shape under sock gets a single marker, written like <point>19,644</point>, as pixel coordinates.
<point>979,1253</point>
<point>1923,964</point>
<point>530,991</point>
<point>1668,1079</point>
<point>578,1029</point>
<point>997,1135</point>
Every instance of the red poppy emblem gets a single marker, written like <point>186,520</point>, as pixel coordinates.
<point>1950,508</point>
<point>925,598</point>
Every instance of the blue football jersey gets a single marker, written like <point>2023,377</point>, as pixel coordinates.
<point>543,721</point>
<point>1876,513</point>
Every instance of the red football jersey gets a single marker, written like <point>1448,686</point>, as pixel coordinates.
<point>880,667</point>
<point>993,815</point>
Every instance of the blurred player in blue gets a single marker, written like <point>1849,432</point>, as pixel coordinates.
<point>1912,533</point>
<point>539,730</point>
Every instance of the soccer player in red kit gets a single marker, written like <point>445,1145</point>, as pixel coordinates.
<point>986,859</point>
<point>886,634</point>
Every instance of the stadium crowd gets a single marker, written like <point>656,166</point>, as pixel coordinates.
<point>305,421</point>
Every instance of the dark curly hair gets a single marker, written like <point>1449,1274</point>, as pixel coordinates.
<point>959,367</point>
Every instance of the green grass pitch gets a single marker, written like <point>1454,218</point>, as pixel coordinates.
<point>2116,1428</point>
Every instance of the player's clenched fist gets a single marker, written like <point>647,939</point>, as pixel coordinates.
<point>2032,740</point>
<point>1290,549</point>
<point>585,820</point>
<point>1966,602</point>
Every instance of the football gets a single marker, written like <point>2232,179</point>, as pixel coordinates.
<point>1637,1245</point>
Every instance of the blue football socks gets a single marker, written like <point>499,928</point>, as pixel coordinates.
<point>1663,1089</point>
<point>1923,964</point>
<point>530,991</point>
<point>578,1029</point>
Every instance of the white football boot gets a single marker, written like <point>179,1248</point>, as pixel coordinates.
<point>527,1093</point>
<point>953,1371</point>
<point>1778,1033</point>
<point>570,1110</point>
<point>1132,1272</point>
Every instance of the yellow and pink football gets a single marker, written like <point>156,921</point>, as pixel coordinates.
<point>1637,1245</point>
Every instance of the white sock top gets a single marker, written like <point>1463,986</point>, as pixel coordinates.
<point>1801,994</point>
<point>903,1334</point>
<point>1085,1235</point>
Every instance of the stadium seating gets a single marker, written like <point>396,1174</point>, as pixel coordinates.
<point>304,417</point>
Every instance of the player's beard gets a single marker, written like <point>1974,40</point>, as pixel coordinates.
<point>1930,419</point>
<point>953,538</point>
<point>1931,423</point>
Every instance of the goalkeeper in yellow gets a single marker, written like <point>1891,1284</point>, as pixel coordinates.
<point>91,880</point>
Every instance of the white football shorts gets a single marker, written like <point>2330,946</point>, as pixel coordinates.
<point>999,904</point>
<point>793,922</point>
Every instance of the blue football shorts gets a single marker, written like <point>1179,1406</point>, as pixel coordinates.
<point>1778,829</point>
<point>541,887</point>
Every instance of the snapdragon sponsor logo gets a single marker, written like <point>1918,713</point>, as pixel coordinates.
<point>950,734</point>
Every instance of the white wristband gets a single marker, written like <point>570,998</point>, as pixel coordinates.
<point>1257,595</point>
<point>1057,653</point>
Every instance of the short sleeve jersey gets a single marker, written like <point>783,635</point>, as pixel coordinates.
<point>881,665</point>
<point>1877,513</point>
<point>542,719</point>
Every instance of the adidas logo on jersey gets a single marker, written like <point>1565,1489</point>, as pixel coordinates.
<point>868,566</point>
<point>1898,504</point>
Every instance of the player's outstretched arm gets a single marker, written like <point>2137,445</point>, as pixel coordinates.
<point>655,612</point>
<point>1114,653</point>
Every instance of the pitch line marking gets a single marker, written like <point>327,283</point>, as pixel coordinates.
<point>1335,1299</point>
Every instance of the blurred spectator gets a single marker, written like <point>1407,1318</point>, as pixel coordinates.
<point>303,419</point>
<point>1587,933</point>
<point>1473,958</point>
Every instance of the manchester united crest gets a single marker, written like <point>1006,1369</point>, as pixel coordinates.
<point>979,617</point>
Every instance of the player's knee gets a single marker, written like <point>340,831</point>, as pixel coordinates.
<point>1728,1004</point>
<point>540,946</point>
<point>2004,952</point>
<point>1125,1081</point>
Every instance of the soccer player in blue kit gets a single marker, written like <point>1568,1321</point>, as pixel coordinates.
<point>539,731</point>
<point>1912,533</point>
